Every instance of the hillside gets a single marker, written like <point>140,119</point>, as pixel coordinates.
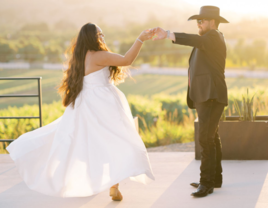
<point>114,12</point>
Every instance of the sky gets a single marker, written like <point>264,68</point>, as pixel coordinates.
<point>249,7</point>
<point>16,13</point>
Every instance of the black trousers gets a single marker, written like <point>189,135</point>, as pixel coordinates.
<point>209,114</point>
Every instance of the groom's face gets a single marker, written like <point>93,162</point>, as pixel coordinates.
<point>204,26</point>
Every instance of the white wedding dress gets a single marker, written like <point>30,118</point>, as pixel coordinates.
<point>90,148</point>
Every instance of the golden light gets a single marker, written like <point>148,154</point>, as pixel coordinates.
<point>255,8</point>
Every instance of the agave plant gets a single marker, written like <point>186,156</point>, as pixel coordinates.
<point>223,115</point>
<point>245,110</point>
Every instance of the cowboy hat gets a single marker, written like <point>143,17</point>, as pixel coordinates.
<point>209,12</point>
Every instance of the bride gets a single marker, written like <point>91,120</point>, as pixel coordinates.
<point>94,145</point>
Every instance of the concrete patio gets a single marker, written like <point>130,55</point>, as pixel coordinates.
<point>245,186</point>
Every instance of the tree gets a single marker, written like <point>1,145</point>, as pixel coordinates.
<point>239,50</point>
<point>258,50</point>
<point>32,51</point>
<point>7,52</point>
<point>53,52</point>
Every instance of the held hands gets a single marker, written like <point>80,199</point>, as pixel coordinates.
<point>146,35</point>
<point>156,33</point>
<point>159,33</point>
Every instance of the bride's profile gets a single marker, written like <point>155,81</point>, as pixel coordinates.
<point>94,145</point>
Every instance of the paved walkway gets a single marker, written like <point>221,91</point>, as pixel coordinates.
<point>245,186</point>
<point>178,147</point>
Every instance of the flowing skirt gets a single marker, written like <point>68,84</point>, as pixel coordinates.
<point>91,147</point>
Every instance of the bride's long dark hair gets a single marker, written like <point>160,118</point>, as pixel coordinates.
<point>72,82</point>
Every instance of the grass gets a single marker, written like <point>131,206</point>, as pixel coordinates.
<point>167,131</point>
<point>150,84</point>
<point>150,96</point>
<point>50,79</point>
<point>145,84</point>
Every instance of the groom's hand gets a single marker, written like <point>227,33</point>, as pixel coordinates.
<point>160,33</point>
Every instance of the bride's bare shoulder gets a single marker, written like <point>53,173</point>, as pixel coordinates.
<point>96,54</point>
<point>93,60</point>
<point>101,53</point>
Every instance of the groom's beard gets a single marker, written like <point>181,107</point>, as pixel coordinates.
<point>203,32</point>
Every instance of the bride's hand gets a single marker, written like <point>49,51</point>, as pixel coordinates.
<point>146,35</point>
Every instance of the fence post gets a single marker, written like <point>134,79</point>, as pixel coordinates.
<point>39,95</point>
<point>40,101</point>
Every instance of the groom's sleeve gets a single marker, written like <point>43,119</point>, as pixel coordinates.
<point>208,41</point>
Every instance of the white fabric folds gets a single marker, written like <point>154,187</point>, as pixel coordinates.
<point>88,149</point>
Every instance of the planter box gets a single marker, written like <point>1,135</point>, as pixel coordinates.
<point>241,140</point>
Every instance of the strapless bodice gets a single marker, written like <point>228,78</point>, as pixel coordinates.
<point>97,78</point>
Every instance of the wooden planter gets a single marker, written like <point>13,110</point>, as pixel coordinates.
<point>241,140</point>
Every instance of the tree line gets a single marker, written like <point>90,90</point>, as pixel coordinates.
<point>38,43</point>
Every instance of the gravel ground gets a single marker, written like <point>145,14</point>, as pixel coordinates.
<point>178,147</point>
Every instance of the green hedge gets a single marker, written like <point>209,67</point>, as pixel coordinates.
<point>163,119</point>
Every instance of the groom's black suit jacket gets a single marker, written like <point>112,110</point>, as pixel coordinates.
<point>206,67</point>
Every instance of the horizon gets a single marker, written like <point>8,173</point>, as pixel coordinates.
<point>120,12</point>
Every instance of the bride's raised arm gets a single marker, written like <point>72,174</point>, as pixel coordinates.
<point>105,58</point>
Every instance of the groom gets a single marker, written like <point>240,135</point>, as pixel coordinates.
<point>207,91</point>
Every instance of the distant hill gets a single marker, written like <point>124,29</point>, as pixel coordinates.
<point>112,12</point>
<point>171,14</point>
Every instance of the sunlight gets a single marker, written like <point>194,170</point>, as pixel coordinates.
<point>257,7</point>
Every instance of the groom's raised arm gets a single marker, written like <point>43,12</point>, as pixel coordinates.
<point>204,42</point>
<point>208,41</point>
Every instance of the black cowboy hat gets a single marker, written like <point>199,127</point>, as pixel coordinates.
<point>209,12</point>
